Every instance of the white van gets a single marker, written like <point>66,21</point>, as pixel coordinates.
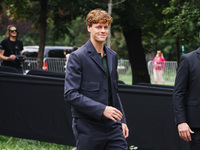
<point>49,51</point>
<point>52,55</point>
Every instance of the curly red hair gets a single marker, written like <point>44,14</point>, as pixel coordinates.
<point>98,16</point>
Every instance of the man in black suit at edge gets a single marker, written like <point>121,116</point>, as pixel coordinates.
<point>186,98</point>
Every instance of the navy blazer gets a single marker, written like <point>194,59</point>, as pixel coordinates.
<point>86,82</point>
<point>186,94</point>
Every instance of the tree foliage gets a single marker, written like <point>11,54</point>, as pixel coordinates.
<point>140,22</point>
<point>139,27</point>
<point>183,20</point>
<point>44,14</point>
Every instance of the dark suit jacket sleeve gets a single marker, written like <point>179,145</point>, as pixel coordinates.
<point>121,109</point>
<point>77,100</point>
<point>120,106</point>
<point>180,90</point>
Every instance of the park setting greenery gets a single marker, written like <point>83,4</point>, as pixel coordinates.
<point>12,143</point>
<point>139,28</point>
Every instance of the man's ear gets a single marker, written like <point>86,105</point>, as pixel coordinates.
<point>88,28</point>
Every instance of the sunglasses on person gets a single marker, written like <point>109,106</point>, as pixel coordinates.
<point>13,31</point>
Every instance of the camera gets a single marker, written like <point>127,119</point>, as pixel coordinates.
<point>20,57</point>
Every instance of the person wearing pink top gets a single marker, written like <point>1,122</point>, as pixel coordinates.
<point>158,67</point>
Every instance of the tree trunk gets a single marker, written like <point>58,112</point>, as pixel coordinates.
<point>43,25</point>
<point>136,55</point>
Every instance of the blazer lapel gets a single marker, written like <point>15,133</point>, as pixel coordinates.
<point>94,55</point>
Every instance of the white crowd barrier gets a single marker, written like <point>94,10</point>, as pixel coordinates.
<point>169,73</point>
<point>124,68</point>
<point>51,64</point>
<point>29,63</point>
<point>55,64</point>
<point>58,64</point>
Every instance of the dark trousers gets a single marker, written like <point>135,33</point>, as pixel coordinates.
<point>98,135</point>
<point>195,143</point>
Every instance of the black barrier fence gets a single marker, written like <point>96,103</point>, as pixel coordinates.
<point>33,107</point>
<point>150,117</point>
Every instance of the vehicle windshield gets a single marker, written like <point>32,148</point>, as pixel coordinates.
<point>30,54</point>
<point>56,53</point>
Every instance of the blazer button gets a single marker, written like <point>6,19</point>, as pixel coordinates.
<point>105,91</point>
<point>104,77</point>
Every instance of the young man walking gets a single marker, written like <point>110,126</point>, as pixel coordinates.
<point>91,89</point>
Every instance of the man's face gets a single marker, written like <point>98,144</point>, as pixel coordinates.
<point>98,32</point>
<point>13,32</point>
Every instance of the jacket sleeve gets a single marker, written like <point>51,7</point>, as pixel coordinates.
<point>120,106</point>
<point>121,109</point>
<point>180,90</point>
<point>72,95</point>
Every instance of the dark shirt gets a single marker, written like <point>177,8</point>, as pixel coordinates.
<point>105,65</point>
<point>10,48</point>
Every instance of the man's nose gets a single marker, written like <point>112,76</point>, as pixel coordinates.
<point>103,29</point>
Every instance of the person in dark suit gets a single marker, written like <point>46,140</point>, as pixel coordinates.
<point>91,88</point>
<point>186,98</point>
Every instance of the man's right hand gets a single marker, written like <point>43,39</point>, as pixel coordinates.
<point>185,131</point>
<point>112,113</point>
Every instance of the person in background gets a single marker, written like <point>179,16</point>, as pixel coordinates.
<point>68,54</point>
<point>73,49</point>
<point>91,89</point>
<point>158,67</point>
<point>11,49</point>
<point>186,98</point>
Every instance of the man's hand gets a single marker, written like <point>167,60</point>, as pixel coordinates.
<point>112,113</point>
<point>125,130</point>
<point>185,131</point>
<point>12,57</point>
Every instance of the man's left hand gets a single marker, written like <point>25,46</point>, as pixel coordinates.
<point>125,130</point>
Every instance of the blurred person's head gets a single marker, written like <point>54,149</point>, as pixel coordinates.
<point>12,31</point>
<point>74,48</point>
<point>159,53</point>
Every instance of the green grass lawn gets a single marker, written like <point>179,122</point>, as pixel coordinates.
<point>127,79</point>
<point>11,143</point>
